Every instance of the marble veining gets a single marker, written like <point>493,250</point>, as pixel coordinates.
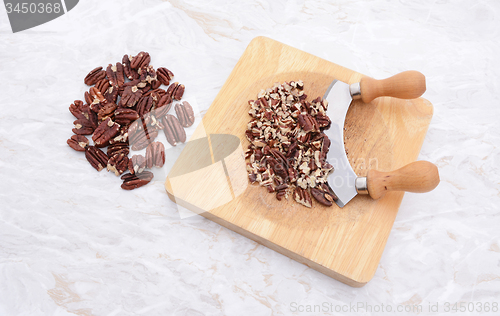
<point>73,243</point>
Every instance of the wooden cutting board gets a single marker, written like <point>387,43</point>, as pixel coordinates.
<point>346,243</point>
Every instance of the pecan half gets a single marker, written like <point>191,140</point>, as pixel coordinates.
<point>302,196</point>
<point>175,91</point>
<point>118,163</point>
<point>102,85</point>
<point>96,157</point>
<point>155,155</point>
<point>115,74</point>
<point>185,113</point>
<point>163,106</point>
<point>136,164</point>
<point>174,132</point>
<point>124,116</point>
<point>164,75</point>
<point>127,69</point>
<point>106,111</point>
<point>94,76</point>
<point>134,181</point>
<point>78,142</point>
<point>142,138</point>
<point>324,194</point>
<point>130,96</point>
<point>144,105</point>
<point>98,100</point>
<point>83,126</point>
<point>105,132</point>
<point>79,109</point>
<point>117,148</point>
<point>140,60</point>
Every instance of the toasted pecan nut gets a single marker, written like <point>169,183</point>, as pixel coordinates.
<point>164,75</point>
<point>174,132</point>
<point>134,181</point>
<point>185,113</point>
<point>78,142</point>
<point>137,164</point>
<point>105,132</point>
<point>94,76</point>
<point>96,157</point>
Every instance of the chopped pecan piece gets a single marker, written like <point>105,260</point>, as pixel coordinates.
<point>185,113</point>
<point>94,76</point>
<point>134,181</point>
<point>78,142</point>
<point>174,132</point>
<point>96,157</point>
<point>105,132</point>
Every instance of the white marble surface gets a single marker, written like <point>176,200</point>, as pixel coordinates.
<point>73,243</point>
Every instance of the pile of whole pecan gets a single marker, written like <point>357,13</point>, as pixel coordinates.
<point>125,109</point>
<point>288,148</point>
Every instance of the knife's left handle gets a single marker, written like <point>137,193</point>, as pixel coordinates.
<point>405,85</point>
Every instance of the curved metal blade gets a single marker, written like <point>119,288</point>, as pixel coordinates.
<point>342,179</point>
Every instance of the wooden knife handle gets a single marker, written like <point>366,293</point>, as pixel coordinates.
<point>419,176</point>
<point>405,85</point>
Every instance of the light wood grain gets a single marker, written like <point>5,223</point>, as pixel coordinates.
<point>384,134</point>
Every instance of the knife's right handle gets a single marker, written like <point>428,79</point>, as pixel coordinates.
<point>419,176</point>
<point>405,85</point>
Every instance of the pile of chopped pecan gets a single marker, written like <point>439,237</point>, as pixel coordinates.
<point>287,151</point>
<point>124,109</point>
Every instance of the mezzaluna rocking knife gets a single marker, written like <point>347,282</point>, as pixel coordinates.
<point>419,176</point>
